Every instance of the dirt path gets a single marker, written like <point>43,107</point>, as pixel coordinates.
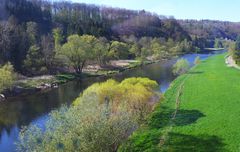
<point>165,136</point>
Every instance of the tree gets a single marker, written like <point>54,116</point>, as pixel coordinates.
<point>102,50</point>
<point>13,43</point>
<point>47,47</point>
<point>176,50</point>
<point>231,47</point>
<point>58,37</point>
<point>34,63</point>
<point>119,50</point>
<point>32,32</point>
<point>103,116</point>
<point>132,94</point>
<point>157,49</point>
<point>7,76</point>
<point>197,60</point>
<point>135,49</point>
<point>218,43</point>
<point>78,50</point>
<point>236,52</point>
<point>180,67</point>
<point>144,54</point>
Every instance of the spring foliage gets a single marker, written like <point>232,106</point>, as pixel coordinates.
<point>6,76</point>
<point>100,120</point>
<point>182,66</point>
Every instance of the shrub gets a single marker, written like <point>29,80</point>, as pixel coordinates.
<point>182,66</point>
<point>7,76</point>
<point>197,60</point>
<point>87,128</point>
<point>133,95</point>
<point>102,117</point>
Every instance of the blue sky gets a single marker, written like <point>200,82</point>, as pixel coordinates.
<point>227,10</point>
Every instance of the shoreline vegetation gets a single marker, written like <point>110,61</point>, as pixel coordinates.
<point>151,122</point>
<point>101,118</point>
<point>28,85</point>
<point>62,37</point>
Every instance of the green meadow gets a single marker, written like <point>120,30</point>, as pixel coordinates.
<point>200,112</point>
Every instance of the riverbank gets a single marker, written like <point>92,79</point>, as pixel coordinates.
<point>206,119</point>
<point>30,85</point>
<point>35,108</point>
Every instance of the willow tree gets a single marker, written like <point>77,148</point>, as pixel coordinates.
<point>6,76</point>
<point>181,67</point>
<point>102,118</point>
<point>78,50</point>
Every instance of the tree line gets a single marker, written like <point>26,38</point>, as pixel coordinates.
<point>204,32</point>
<point>32,32</point>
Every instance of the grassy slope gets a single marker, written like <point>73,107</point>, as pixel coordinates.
<point>208,118</point>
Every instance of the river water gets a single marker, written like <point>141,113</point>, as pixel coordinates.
<point>34,109</point>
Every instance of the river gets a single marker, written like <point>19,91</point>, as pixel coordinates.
<point>32,109</point>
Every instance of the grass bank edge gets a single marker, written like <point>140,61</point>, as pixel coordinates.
<point>148,135</point>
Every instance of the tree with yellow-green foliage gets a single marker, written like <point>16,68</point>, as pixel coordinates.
<point>181,67</point>
<point>118,50</point>
<point>78,50</point>
<point>132,94</point>
<point>102,117</point>
<point>6,76</point>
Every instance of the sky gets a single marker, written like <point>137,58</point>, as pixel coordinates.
<point>225,10</point>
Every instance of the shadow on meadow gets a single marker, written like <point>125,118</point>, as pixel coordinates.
<point>161,118</point>
<point>148,139</point>
<point>195,72</point>
<point>188,143</point>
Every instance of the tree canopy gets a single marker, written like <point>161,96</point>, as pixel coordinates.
<point>101,118</point>
<point>78,50</point>
<point>181,67</point>
<point>7,76</point>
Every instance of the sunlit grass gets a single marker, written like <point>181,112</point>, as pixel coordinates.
<point>208,118</point>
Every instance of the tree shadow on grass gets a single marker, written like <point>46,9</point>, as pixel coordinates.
<point>162,118</point>
<point>149,140</point>
<point>188,143</point>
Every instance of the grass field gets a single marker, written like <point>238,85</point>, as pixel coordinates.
<point>208,113</point>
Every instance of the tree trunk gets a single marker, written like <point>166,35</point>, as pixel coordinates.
<point>79,68</point>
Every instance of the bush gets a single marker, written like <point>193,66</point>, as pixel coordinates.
<point>132,94</point>
<point>100,120</point>
<point>197,60</point>
<point>182,66</point>
<point>86,128</point>
<point>7,76</point>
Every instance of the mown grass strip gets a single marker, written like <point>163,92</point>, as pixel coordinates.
<point>208,118</point>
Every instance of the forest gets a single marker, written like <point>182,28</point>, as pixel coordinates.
<point>32,33</point>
